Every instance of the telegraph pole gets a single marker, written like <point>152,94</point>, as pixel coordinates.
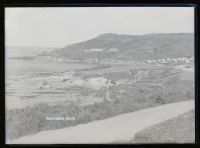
<point>141,64</point>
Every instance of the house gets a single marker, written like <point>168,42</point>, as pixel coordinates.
<point>180,59</point>
<point>122,81</point>
<point>97,82</point>
<point>175,60</point>
<point>113,50</point>
<point>159,60</point>
<point>96,50</point>
<point>150,61</point>
<point>187,61</point>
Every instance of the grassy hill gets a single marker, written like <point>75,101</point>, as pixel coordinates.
<point>130,47</point>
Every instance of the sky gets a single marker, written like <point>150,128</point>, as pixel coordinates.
<point>61,26</point>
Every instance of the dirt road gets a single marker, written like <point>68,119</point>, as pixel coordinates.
<point>119,128</point>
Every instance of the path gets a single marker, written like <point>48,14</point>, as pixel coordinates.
<point>119,128</point>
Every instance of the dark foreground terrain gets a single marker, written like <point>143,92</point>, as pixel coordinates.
<point>177,130</point>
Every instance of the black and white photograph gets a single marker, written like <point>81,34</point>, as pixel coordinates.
<point>99,75</point>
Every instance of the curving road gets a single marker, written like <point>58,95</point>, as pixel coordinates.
<point>119,128</point>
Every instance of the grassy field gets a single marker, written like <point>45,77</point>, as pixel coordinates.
<point>177,130</point>
<point>125,98</point>
<point>122,127</point>
<point>158,86</point>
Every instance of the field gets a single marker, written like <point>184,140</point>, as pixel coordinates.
<point>177,130</point>
<point>117,129</point>
<point>36,89</point>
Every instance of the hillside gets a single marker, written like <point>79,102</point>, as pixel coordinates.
<point>130,47</point>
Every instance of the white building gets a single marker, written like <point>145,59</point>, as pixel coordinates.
<point>113,50</point>
<point>96,50</point>
<point>175,60</point>
<point>187,61</point>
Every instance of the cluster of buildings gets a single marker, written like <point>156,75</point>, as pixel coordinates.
<point>152,61</point>
<point>170,60</point>
<point>102,50</point>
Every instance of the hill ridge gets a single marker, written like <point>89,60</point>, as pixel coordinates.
<point>148,46</point>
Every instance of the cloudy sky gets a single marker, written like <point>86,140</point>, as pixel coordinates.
<point>57,27</point>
